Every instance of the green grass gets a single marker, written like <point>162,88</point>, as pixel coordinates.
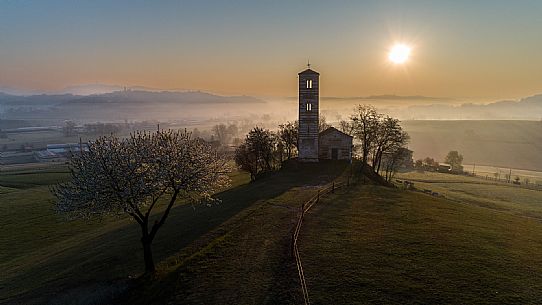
<point>26,179</point>
<point>361,245</point>
<point>47,259</point>
<point>478,191</point>
<point>374,245</point>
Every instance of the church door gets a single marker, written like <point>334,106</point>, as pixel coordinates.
<point>334,154</point>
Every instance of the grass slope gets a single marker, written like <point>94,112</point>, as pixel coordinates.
<point>48,260</point>
<point>374,245</point>
<point>478,191</point>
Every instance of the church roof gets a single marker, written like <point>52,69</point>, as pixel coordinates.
<point>333,129</point>
<point>308,72</point>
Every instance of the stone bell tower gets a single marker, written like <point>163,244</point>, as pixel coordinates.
<point>308,115</point>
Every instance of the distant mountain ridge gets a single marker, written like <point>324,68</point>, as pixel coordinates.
<point>140,104</point>
<point>125,97</point>
<point>391,97</point>
<point>125,105</point>
<point>528,108</point>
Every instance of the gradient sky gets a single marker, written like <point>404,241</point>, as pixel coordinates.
<point>476,49</point>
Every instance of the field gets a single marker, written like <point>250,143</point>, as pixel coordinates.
<point>490,171</point>
<point>38,140</point>
<point>242,242</point>
<point>515,144</point>
<point>363,244</point>
<point>478,191</point>
<point>375,245</point>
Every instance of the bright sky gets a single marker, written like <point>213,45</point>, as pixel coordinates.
<point>486,49</point>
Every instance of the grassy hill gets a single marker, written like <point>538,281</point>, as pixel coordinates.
<point>216,254</point>
<point>363,244</point>
<point>375,245</point>
<point>516,144</point>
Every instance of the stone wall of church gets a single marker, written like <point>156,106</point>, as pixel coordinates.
<point>339,141</point>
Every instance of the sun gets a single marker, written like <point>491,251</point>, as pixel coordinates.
<point>399,53</point>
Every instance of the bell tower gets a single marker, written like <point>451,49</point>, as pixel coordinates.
<point>308,115</point>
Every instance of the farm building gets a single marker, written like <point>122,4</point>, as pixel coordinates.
<point>66,149</point>
<point>444,168</point>
<point>312,145</point>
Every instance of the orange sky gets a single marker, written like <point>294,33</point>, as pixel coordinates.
<point>459,49</point>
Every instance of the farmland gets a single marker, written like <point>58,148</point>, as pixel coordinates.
<point>515,144</point>
<point>365,243</point>
<point>477,191</point>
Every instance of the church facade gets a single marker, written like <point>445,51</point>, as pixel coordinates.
<point>331,144</point>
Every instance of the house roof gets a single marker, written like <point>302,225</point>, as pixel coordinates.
<point>308,72</point>
<point>333,129</point>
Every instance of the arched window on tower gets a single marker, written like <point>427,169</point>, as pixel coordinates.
<point>309,83</point>
<point>309,107</point>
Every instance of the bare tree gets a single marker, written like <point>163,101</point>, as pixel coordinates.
<point>135,175</point>
<point>322,124</point>
<point>429,162</point>
<point>288,136</point>
<point>455,159</point>
<point>246,160</point>
<point>394,159</point>
<point>261,142</point>
<point>257,153</point>
<point>69,128</point>
<point>389,137</point>
<point>346,127</point>
<point>365,122</point>
<point>418,164</point>
<point>220,131</point>
<point>224,133</point>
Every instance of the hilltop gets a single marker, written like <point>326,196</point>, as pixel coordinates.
<point>376,245</point>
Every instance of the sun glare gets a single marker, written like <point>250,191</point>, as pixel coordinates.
<point>399,53</point>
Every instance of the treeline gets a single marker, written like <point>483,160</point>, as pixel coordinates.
<point>380,140</point>
<point>380,144</point>
<point>453,163</point>
<point>233,133</point>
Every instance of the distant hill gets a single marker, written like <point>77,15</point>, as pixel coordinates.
<point>125,104</point>
<point>529,108</point>
<point>418,107</point>
<point>128,96</point>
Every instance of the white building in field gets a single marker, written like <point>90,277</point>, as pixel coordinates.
<point>66,149</point>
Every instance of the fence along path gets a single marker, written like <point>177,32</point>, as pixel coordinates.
<point>305,207</point>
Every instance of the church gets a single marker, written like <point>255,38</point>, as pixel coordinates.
<point>315,145</point>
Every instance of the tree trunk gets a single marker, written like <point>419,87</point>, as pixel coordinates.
<point>147,256</point>
<point>146,241</point>
<point>379,160</point>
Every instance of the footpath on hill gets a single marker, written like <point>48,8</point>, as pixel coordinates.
<point>247,259</point>
<point>199,249</point>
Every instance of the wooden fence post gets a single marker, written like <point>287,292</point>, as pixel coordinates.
<point>293,244</point>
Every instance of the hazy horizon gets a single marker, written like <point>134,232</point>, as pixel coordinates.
<point>459,49</point>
